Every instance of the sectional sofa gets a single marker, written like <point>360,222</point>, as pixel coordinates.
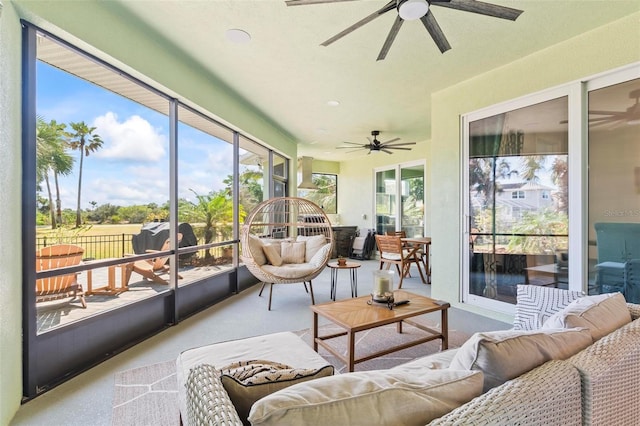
<point>580,366</point>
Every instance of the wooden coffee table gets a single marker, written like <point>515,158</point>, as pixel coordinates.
<point>356,315</point>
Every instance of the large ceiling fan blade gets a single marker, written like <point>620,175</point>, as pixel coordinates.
<point>389,141</point>
<point>430,23</point>
<point>389,6</point>
<point>397,24</point>
<point>352,143</point>
<point>612,113</point>
<point>386,150</point>
<point>305,2</point>
<point>395,147</point>
<point>399,144</point>
<point>481,8</point>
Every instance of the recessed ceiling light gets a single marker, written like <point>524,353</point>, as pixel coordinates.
<point>237,36</point>
<point>333,103</point>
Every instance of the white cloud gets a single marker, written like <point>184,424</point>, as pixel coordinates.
<point>132,139</point>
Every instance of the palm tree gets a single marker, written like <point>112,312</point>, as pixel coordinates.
<point>52,157</point>
<point>86,142</point>
<point>213,209</point>
<point>530,166</point>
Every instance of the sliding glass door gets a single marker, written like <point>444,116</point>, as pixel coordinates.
<point>408,214</point>
<point>613,243</point>
<point>517,200</point>
<point>551,183</point>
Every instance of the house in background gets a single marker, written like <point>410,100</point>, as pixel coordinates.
<point>517,198</point>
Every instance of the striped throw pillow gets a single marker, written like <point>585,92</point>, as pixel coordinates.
<point>536,303</point>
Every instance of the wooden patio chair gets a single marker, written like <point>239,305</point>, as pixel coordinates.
<point>392,252</point>
<point>60,286</point>
<point>151,269</point>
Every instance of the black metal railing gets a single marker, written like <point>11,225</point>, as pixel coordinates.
<point>95,246</point>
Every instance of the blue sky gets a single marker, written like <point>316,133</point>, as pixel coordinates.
<point>132,167</point>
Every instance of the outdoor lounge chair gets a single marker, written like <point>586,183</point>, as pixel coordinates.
<point>151,269</point>
<point>60,286</point>
<point>285,220</point>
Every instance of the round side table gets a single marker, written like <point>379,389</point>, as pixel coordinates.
<point>352,267</point>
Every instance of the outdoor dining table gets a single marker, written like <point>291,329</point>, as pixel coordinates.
<point>425,244</point>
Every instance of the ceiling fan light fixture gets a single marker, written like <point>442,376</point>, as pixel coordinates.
<point>410,10</point>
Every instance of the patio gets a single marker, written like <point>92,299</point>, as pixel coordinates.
<point>62,312</point>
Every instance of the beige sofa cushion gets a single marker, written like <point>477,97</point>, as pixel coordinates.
<point>371,397</point>
<point>601,314</point>
<point>434,361</point>
<point>292,252</point>
<point>313,244</point>
<point>271,251</point>
<point>290,271</point>
<point>255,247</point>
<point>504,355</point>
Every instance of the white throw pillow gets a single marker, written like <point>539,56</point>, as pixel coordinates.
<point>255,248</point>
<point>506,354</point>
<point>369,397</point>
<point>535,304</point>
<point>601,314</point>
<point>292,252</point>
<point>271,252</point>
<point>314,244</point>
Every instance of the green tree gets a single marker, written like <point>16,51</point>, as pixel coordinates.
<point>325,194</point>
<point>134,214</point>
<point>214,210</point>
<point>530,165</point>
<point>251,188</point>
<point>52,158</point>
<point>532,232</point>
<point>84,140</point>
<point>482,178</point>
<point>103,213</point>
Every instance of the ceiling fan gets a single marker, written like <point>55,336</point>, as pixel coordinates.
<point>630,116</point>
<point>409,10</point>
<point>375,145</point>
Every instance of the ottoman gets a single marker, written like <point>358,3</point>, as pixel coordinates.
<point>283,348</point>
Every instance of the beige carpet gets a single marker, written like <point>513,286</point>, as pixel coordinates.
<point>148,395</point>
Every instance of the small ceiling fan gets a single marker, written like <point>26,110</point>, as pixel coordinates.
<point>375,145</point>
<point>409,10</point>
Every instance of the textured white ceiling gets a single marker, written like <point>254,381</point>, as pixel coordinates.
<point>287,75</point>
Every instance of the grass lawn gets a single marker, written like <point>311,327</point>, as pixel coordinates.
<point>91,230</point>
